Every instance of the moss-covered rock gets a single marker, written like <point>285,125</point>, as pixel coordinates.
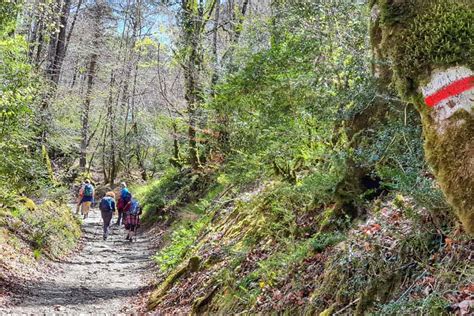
<point>424,40</point>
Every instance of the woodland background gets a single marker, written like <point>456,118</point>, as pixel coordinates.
<point>258,130</point>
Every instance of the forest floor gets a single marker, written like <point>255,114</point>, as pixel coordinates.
<point>100,277</point>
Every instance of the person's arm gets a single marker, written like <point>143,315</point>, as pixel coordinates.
<point>81,194</point>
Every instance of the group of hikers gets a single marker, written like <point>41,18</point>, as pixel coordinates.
<point>127,208</point>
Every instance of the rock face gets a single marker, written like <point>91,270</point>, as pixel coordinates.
<point>429,47</point>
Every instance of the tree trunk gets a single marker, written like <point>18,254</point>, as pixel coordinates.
<point>73,24</point>
<point>111,132</point>
<point>192,87</point>
<point>86,109</point>
<point>429,45</point>
<point>215,56</point>
<point>58,45</point>
<point>53,38</point>
<point>193,21</point>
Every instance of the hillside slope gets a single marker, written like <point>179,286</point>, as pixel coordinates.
<point>251,251</point>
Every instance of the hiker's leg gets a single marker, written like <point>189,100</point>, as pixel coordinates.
<point>104,220</point>
<point>119,217</point>
<point>79,204</point>
<point>109,219</point>
<point>106,216</point>
<point>128,235</point>
<point>85,208</point>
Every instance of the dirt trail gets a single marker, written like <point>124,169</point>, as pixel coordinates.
<point>104,277</point>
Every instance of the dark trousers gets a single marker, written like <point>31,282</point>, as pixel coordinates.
<point>106,217</point>
<point>120,217</point>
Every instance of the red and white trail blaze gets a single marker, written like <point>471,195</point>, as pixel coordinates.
<point>448,92</point>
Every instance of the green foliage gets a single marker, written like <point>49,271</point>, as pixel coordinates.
<point>157,194</point>
<point>180,243</point>
<point>182,240</point>
<point>22,166</point>
<point>49,228</point>
<point>280,111</point>
<point>8,13</point>
<point>323,240</point>
<point>172,190</point>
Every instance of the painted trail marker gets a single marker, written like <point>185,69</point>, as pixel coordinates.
<point>448,92</point>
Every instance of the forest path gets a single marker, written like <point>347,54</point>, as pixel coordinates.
<point>103,277</point>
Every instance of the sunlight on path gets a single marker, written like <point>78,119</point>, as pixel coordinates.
<point>101,278</point>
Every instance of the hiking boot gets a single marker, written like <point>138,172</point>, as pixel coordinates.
<point>105,237</point>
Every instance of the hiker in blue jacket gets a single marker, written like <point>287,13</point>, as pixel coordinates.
<point>123,204</point>
<point>107,210</point>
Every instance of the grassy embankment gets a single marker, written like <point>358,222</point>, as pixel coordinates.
<point>31,231</point>
<point>270,246</point>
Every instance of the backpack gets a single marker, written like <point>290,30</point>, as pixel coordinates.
<point>88,190</point>
<point>106,204</point>
<point>134,208</point>
<point>125,196</point>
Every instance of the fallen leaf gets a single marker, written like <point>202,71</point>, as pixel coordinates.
<point>449,243</point>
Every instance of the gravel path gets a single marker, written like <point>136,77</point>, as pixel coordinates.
<point>104,277</point>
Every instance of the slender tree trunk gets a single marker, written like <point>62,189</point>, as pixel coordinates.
<point>86,109</point>
<point>60,51</point>
<point>53,41</point>
<point>73,24</point>
<point>215,73</point>
<point>227,60</point>
<point>111,127</point>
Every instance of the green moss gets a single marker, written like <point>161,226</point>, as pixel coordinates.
<point>423,35</point>
<point>397,12</point>
<point>450,155</point>
<point>47,162</point>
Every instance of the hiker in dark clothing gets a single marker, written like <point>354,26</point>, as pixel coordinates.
<point>123,203</point>
<point>107,210</point>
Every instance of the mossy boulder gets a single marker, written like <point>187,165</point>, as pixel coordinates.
<point>428,45</point>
